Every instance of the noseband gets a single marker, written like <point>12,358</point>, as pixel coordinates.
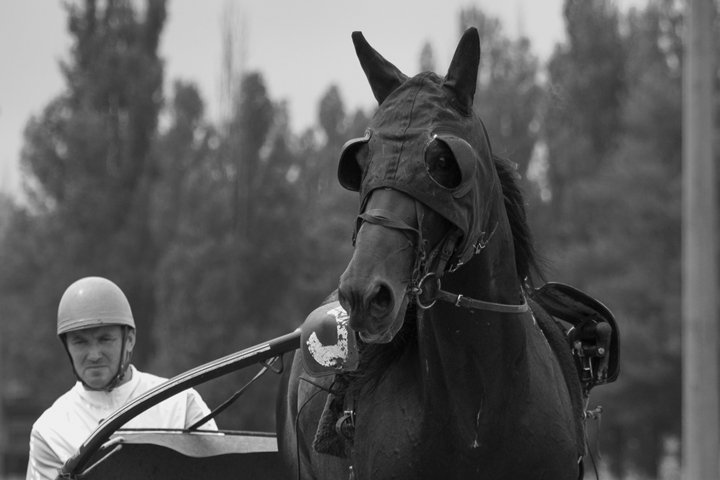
<point>430,267</point>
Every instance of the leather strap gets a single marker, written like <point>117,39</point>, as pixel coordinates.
<point>390,220</point>
<point>387,219</point>
<point>472,304</point>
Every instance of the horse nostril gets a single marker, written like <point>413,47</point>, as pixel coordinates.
<point>382,302</point>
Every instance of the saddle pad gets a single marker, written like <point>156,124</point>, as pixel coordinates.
<point>573,306</point>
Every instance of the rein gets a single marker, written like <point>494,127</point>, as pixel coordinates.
<point>462,301</point>
<point>422,270</point>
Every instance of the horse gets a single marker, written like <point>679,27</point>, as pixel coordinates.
<point>455,378</point>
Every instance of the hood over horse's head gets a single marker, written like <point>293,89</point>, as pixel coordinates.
<point>417,117</point>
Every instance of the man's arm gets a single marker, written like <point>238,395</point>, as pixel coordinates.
<point>197,409</point>
<point>43,463</point>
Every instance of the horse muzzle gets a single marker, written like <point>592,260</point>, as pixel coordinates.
<point>375,307</point>
<point>373,289</point>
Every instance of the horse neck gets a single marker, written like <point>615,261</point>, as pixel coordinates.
<point>491,274</point>
<point>478,350</point>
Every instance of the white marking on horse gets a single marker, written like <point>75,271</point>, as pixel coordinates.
<point>475,443</point>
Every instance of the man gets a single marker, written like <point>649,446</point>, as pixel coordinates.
<point>97,329</point>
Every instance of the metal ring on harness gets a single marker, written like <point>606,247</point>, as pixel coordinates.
<point>345,426</point>
<point>420,291</point>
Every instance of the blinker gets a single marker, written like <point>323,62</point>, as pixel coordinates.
<point>466,158</point>
<point>350,173</point>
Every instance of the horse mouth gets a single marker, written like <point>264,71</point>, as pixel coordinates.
<point>386,335</point>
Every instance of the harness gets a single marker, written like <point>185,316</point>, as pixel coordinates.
<point>425,286</point>
<point>593,339</point>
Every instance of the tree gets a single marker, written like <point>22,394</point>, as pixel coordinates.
<point>615,164</point>
<point>427,58</point>
<point>509,93</point>
<point>331,209</point>
<point>180,151</point>
<point>642,190</point>
<point>88,171</point>
<point>331,115</point>
<point>226,280</point>
<point>248,131</point>
<point>585,88</point>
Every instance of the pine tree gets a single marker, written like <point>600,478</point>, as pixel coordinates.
<point>89,169</point>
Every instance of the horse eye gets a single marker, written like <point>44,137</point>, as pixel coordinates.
<point>442,165</point>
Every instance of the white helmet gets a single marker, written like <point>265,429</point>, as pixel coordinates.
<point>93,302</point>
<point>90,302</point>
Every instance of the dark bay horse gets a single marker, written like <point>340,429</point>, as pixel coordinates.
<point>455,379</point>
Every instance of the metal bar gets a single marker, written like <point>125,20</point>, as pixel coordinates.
<point>175,385</point>
<point>700,276</point>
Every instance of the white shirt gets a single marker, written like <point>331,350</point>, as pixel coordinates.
<point>62,428</point>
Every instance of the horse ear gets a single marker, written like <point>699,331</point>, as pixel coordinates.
<point>383,76</point>
<point>461,80</point>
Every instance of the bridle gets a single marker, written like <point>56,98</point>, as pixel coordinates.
<point>425,286</point>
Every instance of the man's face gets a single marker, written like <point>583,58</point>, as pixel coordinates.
<point>96,352</point>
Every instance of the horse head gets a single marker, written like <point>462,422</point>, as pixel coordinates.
<point>427,183</point>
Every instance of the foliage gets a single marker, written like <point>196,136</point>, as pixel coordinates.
<point>245,217</point>
<point>509,90</point>
<point>613,135</point>
<point>89,170</point>
<point>582,114</point>
<point>427,58</point>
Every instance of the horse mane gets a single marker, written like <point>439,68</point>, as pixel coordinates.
<point>528,263</point>
<point>375,358</point>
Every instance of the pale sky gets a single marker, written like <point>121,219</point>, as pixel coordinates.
<point>301,47</point>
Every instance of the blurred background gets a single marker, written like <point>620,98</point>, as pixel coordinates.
<point>211,197</point>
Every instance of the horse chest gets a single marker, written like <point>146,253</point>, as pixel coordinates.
<point>390,437</point>
<point>405,441</point>
<point>398,435</point>
<point>404,431</point>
